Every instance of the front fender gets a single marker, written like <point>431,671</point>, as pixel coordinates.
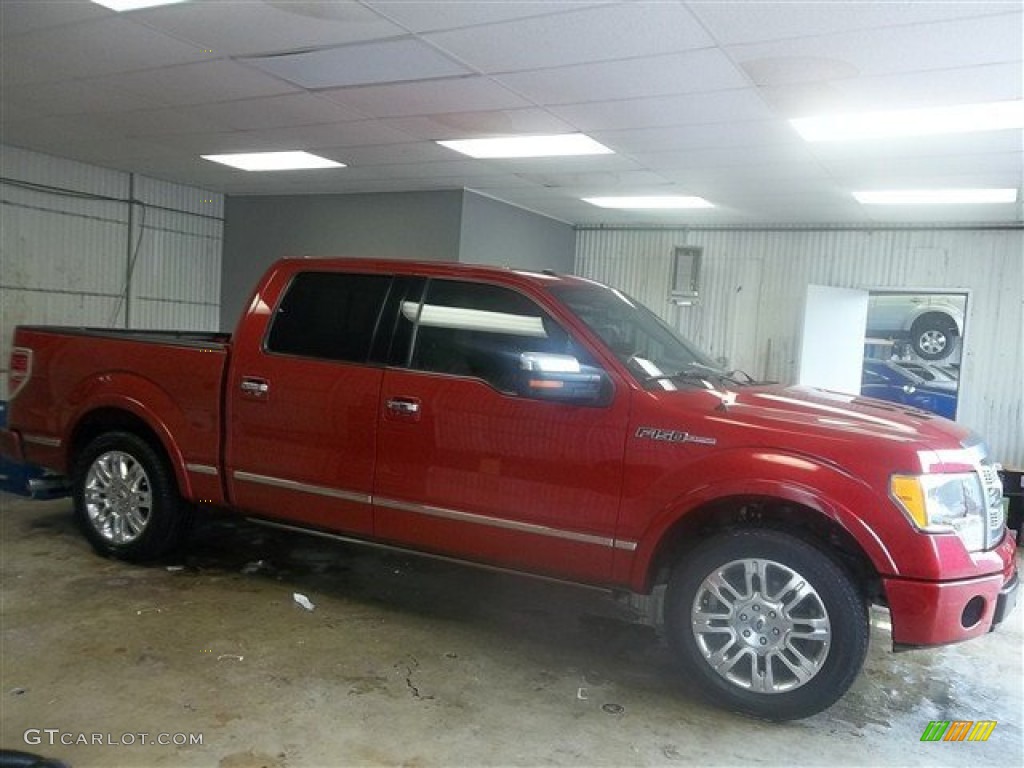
<point>807,481</point>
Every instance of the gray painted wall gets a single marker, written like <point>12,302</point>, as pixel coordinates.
<point>506,236</point>
<point>259,230</point>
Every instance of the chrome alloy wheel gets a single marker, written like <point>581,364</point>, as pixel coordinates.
<point>933,342</point>
<point>761,626</point>
<point>118,497</point>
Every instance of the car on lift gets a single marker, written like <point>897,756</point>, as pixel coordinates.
<point>930,323</point>
<point>890,380</point>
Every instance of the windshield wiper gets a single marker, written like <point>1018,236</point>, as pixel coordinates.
<point>700,372</point>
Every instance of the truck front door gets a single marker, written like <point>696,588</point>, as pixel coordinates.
<point>470,465</point>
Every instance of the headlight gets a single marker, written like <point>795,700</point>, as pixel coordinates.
<point>945,504</point>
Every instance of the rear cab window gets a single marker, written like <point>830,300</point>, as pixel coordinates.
<point>329,315</point>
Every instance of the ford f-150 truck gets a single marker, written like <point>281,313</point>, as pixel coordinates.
<point>540,423</point>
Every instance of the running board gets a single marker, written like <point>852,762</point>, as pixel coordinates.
<point>428,555</point>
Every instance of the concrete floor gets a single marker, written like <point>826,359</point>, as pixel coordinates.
<point>413,662</point>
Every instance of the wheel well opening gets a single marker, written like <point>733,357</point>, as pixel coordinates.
<point>759,512</point>
<point>105,420</point>
<point>938,320</point>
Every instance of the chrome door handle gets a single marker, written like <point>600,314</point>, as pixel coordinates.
<point>401,405</point>
<point>255,387</point>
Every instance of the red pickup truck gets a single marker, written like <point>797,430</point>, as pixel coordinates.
<point>540,423</point>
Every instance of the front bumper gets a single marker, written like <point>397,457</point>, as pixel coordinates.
<point>937,613</point>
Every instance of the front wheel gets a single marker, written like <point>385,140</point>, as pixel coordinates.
<point>766,623</point>
<point>126,498</point>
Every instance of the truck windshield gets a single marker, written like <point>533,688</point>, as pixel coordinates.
<point>652,351</point>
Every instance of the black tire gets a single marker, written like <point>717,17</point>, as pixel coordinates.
<point>126,498</point>
<point>933,336</point>
<point>755,648</point>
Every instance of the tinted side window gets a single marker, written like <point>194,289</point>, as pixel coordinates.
<point>474,329</point>
<point>329,315</point>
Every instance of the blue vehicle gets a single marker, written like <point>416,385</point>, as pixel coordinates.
<point>888,380</point>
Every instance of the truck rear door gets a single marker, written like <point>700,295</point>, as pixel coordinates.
<point>302,401</point>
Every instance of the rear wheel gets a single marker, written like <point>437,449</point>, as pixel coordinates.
<point>768,624</point>
<point>126,498</point>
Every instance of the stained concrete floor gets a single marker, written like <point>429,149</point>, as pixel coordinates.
<point>412,662</point>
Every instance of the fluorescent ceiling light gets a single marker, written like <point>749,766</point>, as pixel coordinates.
<point>649,203</point>
<point>133,5</point>
<point>561,145</point>
<point>935,196</point>
<point>963,118</point>
<point>274,161</point>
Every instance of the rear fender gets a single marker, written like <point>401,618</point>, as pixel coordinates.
<point>143,399</point>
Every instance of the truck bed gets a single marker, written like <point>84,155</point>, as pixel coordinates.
<point>171,380</point>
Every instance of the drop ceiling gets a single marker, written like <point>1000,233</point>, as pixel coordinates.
<point>693,97</point>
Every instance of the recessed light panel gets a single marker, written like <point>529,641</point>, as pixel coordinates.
<point>562,145</point>
<point>963,118</point>
<point>274,161</point>
<point>133,5</point>
<point>662,203</point>
<point>935,196</point>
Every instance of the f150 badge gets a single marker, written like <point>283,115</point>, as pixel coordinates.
<point>672,436</point>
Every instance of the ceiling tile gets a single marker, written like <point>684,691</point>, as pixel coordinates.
<point>986,142</point>
<point>732,23</point>
<point>899,172</point>
<point>944,45</point>
<point>983,83</point>
<point>269,27</point>
<point>596,184</point>
<point>354,133</point>
<point>792,155</point>
<point>595,34</point>
<point>18,17</point>
<point>689,109</point>
<point>461,169</point>
<point>361,64</point>
<point>427,17</point>
<point>689,72</point>
<point>166,120</point>
<point>387,154</point>
<point>91,49</point>
<point>563,165</point>
<point>752,133</point>
<point>203,83</point>
<point>463,94</point>
<point>467,125</point>
<point>72,97</point>
<point>293,109</point>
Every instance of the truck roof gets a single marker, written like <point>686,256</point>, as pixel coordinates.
<point>510,275</point>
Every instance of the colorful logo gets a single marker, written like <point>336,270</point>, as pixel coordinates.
<point>958,730</point>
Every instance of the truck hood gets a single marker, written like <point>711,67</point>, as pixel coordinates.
<point>767,415</point>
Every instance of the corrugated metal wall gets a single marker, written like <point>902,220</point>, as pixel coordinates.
<point>753,284</point>
<point>74,252</point>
